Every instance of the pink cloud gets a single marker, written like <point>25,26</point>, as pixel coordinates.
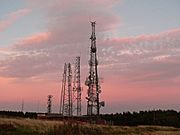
<point>130,66</point>
<point>12,17</point>
<point>25,90</point>
<point>126,85</point>
<point>38,38</point>
<point>141,38</point>
<point>68,21</point>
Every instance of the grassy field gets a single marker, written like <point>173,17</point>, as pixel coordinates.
<point>20,126</point>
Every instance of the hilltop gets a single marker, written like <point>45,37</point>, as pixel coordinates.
<point>25,126</point>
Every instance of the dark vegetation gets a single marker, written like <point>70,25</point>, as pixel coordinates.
<point>32,115</point>
<point>16,130</point>
<point>156,117</point>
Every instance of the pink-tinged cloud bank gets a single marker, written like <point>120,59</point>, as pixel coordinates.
<point>38,38</point>
<point>12,17</point>
<point>139,72</point>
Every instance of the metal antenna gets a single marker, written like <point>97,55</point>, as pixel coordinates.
<point>63,90</point>
<point>69,90</point>
<point>92,81</point>
<point>22,106</point>
<point>77,85</point>
<point>49,104</point>
<point>66,92</point>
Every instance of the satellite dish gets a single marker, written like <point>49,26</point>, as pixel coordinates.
<point>102,103</point>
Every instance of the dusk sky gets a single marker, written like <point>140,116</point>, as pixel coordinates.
<point>138,45</point>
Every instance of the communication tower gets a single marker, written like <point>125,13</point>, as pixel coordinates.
<point>66,92</point>
<point>77,86</point>
<point>92,81</point>
<point>49,104</point>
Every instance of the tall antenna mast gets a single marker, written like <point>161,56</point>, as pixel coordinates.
<point>49,104</point>
<point>63,90</point>
<point>77,85</point>
<point>66,92</point>
<point>22,106</point>
<point>69,90</point>
<point>92,81</point>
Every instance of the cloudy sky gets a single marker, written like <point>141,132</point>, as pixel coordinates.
<point>138,50</point>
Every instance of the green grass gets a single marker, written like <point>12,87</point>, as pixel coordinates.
<point>43,127</point>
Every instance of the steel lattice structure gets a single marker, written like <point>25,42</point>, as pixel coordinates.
<point>66,92</point>
<point>77,86</point>
<point>92,81</point>
<point>49,104</point>
<point>61,111</point>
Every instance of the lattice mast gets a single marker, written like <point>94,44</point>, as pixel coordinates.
<point>49,104</point>
<point>22,106</point>
<point>70,111</point>
<point>63,90</point>
<point>77,86</point>
<point>66,91</point>
<point>92,81</point>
